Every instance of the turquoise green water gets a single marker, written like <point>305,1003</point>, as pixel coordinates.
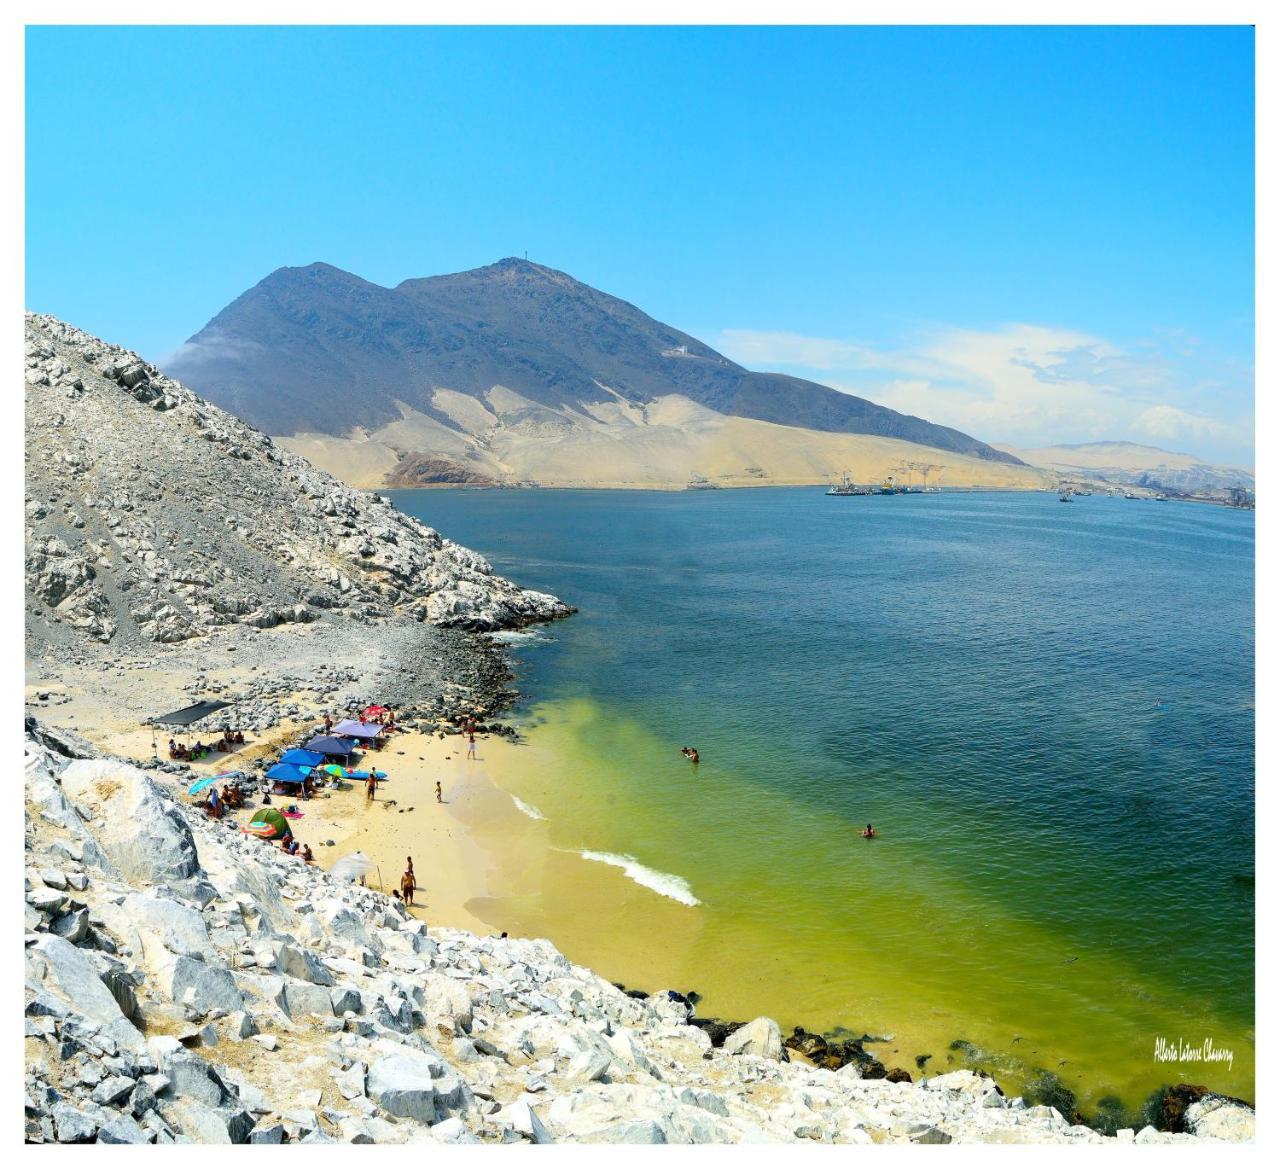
<point>1065,868</point>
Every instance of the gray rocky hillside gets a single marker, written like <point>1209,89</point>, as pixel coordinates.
<point>153,515</point>
<point>187,983</point>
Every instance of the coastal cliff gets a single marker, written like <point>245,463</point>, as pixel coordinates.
<point>185,982</point>
<point>153,516</point>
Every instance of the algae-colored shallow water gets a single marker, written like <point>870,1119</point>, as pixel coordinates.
<point>1065,871</point>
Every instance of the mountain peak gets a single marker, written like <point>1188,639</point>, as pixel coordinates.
<point>509,271</point>
<point>323,351</point>
<point>317,272</point>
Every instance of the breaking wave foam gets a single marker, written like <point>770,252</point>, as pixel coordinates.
<point>518,636</point>
<point>668,884</point>
<point>528,809</point>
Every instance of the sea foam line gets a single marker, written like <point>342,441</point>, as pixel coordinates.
<point>668,884</point>
<point>518,636</point>
<point>528,809</point>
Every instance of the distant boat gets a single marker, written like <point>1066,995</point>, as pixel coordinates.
<point>1161,498</point>
<point>1064,496</point>
<point>1130,495</point>
<point>847,486</point>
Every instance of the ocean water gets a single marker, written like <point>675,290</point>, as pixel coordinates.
<point>1046,711</point>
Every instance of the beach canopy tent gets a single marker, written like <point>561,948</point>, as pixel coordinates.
<point>331,745</point>
<point>189,714</point>
<point>288,773</point>
<point>355,730</point>
<point>300,758</point>
<point>269,823</point>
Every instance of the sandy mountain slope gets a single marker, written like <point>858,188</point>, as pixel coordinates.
<point>666,443</point>
<point>1127,462</point>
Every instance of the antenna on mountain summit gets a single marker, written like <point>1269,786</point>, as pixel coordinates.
<point>526,253</point>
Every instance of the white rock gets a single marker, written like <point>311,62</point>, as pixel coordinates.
<point>404,1085</point>
<point>145,837</point>
<point>761,1037</point>
<point>521,1116</point>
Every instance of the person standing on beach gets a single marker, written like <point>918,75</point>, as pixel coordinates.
<point>370,788</point>
<point>439,793</point>
<point>408,883</point>
<point>471,746</point>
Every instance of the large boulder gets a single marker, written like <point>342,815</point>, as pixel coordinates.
<point>143,834</point>
<point>298,962</point>
<point>203,988</point>
<point>445,997</point>
<point>404,1085</point>
<point>760,1037</point>
<point>208,1125</point>
<point>1220,1118</point>
<point>44,755</point>
<point>58,965</point>
<point>180,929</point>
<point>297,998</point>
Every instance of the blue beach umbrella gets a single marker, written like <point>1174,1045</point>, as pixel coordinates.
<point>201,784</point>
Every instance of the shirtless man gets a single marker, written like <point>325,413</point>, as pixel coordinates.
<point>407,885</point>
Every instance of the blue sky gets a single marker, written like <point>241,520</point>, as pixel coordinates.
<point>1038,235</point>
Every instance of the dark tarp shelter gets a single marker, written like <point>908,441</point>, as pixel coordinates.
<point>189,714</point>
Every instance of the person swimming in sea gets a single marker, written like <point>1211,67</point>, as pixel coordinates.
<point>868,832</point>
<point>690,753</point>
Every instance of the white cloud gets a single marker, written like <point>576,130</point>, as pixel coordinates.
<point>1025,385</point>
<point>1170,423</point>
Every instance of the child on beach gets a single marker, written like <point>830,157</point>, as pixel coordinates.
<point>439,793</point>
<point>471,746</point>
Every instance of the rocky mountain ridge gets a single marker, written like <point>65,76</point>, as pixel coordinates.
<point>467,358</point>
<point>187,983</point>
<point>153,515</point>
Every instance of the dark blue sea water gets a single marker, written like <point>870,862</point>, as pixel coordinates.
<point>1047,709</point>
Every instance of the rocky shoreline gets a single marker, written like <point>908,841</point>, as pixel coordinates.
<point>187,983</point>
